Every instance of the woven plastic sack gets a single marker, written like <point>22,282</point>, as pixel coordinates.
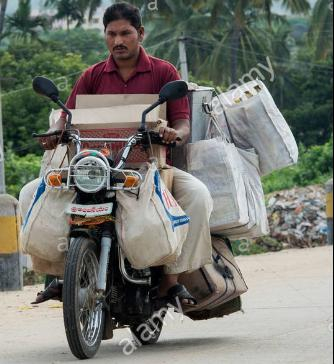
<point>151,227</point>
<point>217,163</point>
<point>38,265</point>
<point>255,122</point>
<point>258,220</point>
<point>45,229</point>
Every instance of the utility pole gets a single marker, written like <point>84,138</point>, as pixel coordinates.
<point>183,58</point>
<point>2,154</point>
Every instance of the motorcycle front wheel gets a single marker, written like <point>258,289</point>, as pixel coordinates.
<point>83,311</point>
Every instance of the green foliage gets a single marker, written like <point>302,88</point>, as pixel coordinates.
<point>89,44</point>
<point>321,34</point>
<point>22,25</point>
<point>25,112</point>
<point>20,170</point>
<point>315,167</point>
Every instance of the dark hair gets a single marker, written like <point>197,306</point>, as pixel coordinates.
<point>121,11</point>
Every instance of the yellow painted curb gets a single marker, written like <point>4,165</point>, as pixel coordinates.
<point>8,235</point>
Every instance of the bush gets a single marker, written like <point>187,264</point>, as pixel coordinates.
<point>19,171</point>
<point>315,167</point>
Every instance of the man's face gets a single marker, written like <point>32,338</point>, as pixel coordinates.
<point>123,40</point>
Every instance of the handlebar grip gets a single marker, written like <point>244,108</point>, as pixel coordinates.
<point>157,139</point>
<point>45,135</point>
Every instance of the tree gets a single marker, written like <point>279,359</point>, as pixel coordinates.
<point>243,34</point>
<point>22,25</point>
<point>25,112</point>
<point>89,6</point>
<point>235,33</point>
<point>3,7</point>
<point>74,10</point>
<point>321,32</point>
<point>68,10</point>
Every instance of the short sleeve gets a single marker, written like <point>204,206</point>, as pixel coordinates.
<point>177,109</point>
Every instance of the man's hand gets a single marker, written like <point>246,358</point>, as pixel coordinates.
<point>52,142</point>
<point>179,132</point>
<point>169,135</point>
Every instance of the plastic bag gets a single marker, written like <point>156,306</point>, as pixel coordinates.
<point>217,163</point>
<point>254,121</point>
<point>45,229</point>
<point>151,226</point>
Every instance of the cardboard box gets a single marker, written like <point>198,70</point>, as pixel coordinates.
<point>123,116</point>
<point>119,116</point>
<point>97,101</point>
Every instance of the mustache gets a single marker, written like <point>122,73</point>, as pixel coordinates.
<point>119,48</point>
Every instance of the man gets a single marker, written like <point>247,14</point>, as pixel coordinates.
<point>129,70</point>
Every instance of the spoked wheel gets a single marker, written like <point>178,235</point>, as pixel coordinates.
<point>83,311</point>
<point>149,332</point>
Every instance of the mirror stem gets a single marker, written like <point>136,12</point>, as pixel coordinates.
<point>68,112</point>
<point>143,120</point>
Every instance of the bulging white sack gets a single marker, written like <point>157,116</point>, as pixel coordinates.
<point>217,163</point>
<point>258,220</point>
<point>151,227</point>
<point>256,122</point>
<point>52,159</point>
<point>45,228</point>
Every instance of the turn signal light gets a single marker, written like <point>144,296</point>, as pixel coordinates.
<point>54,180</point>
<point>131,181</point>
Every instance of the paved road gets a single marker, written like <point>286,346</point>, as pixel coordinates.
<point>288,319</point>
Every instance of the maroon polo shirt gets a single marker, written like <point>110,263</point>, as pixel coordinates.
<point>150,76</point>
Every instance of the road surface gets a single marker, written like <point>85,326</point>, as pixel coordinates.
<point>288,319</point>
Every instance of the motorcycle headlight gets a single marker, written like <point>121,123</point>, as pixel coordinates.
<point>90,174</point>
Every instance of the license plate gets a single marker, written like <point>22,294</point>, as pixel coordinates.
<point>90,210</point>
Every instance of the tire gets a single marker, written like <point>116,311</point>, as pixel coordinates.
<point>149,332</point>
<point>83,313</point>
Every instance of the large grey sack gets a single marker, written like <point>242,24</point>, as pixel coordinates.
<point>255,121</point>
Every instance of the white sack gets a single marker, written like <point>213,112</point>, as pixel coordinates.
<point>217,163</point>
<point>152,227</point>
<point>53,159</point>
<point>45,229</point>
<point>258,220</point>
<point>256,122</point>
<point>26,196</point>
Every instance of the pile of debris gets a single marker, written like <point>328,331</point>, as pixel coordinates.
<point>297,217</point>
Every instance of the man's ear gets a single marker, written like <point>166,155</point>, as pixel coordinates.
<point>141,33</point>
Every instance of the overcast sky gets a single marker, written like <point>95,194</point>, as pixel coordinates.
<point>37,4</point>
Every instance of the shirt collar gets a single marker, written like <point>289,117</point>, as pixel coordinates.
<point>143,64</point>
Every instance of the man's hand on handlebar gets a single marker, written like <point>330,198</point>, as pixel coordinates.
<point>169,135</point>
<point>52,137</point>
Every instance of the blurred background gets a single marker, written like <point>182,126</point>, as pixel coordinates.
<point>287,43</point>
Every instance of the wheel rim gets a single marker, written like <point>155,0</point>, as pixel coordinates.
<point>90,307</point>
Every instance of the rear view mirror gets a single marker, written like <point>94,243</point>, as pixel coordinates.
<point>173,90</point>
<point>46,87</point>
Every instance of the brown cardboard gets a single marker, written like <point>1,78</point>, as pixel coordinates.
<point>125,116</point>
<point>109,100</point>
<point>121,113</point>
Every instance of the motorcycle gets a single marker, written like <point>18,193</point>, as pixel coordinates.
<point>101,291</point>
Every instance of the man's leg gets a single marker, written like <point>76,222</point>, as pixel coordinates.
<point>195,199</point>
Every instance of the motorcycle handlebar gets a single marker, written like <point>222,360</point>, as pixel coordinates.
<point>147,138</point>
<point>157,139</point>
<point>46,135</point>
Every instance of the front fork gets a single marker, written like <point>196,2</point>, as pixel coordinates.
<point>106,242</point>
